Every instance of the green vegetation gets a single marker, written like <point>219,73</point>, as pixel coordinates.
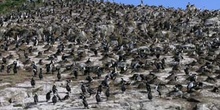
<point>9,5</point>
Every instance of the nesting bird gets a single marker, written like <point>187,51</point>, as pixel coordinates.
<point>123,88</point>
<point>40,74</point>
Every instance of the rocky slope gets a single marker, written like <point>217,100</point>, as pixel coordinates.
<point>174,49</point>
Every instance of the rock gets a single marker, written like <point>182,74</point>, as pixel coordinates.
<point>141,86</point>
<point>125,104</point>
<point>202,107</point>
<point>212,21</point>
<point>4,103</point>
<point>207,106</point>
<point>134,106</point>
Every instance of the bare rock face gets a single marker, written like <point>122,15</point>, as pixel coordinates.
<point>212,21</point>
<point>208,106</point>
<point>16,97</point>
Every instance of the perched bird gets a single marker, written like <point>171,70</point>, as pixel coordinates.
<point>190,86</point>
<point>58,76</point>
<point>98,98</point>
<point>75,73</point>
<point>148,87</point>
<point>32,82</point>
<point>107,93</point>
<point>123,88</point>
<point>35,72</point>
<point>158,89</point>
<point>186,70</point>
<point>68,87</point>
<point>48,95</point>
<point>89,78</point>
<point>85,103</point>
<point>35,98</point>
<point>54,99</point>
<point>150,95</point>
<point>54,89</point>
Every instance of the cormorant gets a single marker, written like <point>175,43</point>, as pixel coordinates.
<point>83,88</point>
<point>54,99</point>
<point>48,96</point>
<point>123,88</point>
<point>158,89</point>
<point>89,78</point>
<point>85,103</point>
<point>75,73</point>
<point>54,89</point>
<point>107,93</point>
<point>35,98</point>
<point>68,87</point>
<point>58,76</point>
<point>32,82</point>
<point>40,74</point>
<point>98,98</point>
<point>150,95</point>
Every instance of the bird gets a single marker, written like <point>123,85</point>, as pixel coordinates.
<point>123,88</point>
<point>75,73</point>
<point>148,87</point>
<point>150,95</point>
<point>54,89</point>
<point>54,99</point>
<point>58,76</point>
<point>32,82</point>
<point>48,95</point>
<point>98,98</point>
<point>35,72</point>
<point>15,67</point>
<point>107,93</point>
<point>186,70</point>
<point>40,74</point>
<point>158,89</point>
<point>35,98</point>
<point>68,87</point>
<point>85,103</point>
<point>89,79</point>
<point>83,88</point>
<point>190,86</point>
